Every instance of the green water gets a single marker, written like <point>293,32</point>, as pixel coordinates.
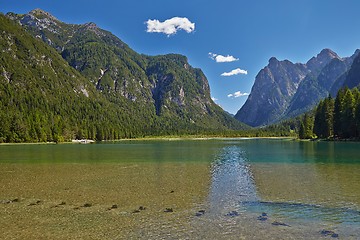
<point>310,186</point>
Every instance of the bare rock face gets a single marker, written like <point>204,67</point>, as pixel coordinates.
<point>272,91</point>
<point>321,60</point>
<point>353,76</point>
<point>284,89</point>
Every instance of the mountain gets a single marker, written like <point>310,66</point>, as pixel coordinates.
<point>272,92</point>
<point>60,81</point>
<point>352,79</point>
<point>317,85</point>
<point>280,92</point>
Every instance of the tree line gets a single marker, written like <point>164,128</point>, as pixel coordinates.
<point>337,118</point>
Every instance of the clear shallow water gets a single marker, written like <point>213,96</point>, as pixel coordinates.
<point>309,186</point>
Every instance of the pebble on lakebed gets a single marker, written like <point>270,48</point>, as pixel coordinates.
<point>15,200</point>
<point>232,214</point>
<point>141,208</point>
<point>276,223</point>
<point>200,213</point>
<point>329,233</point>
<point>262,218</point>
<point>168,210</point>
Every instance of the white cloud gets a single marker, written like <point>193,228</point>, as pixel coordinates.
<point>170,26</point>
<point>234,72</point>
<point>214,99</point>
<point>237,94</point>
<point>220,58</point>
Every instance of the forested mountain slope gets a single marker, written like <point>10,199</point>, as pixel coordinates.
<point>62,81</point>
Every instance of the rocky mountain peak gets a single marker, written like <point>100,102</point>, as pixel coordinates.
<point>91,25</point>
<point>41,14</point>
<point>283,89</point>
<point>273,60</point>
<point>36,18</point>
<point>321,60</point>
<point>356,53</point>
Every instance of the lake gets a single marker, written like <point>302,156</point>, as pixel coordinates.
<point>181,189</point>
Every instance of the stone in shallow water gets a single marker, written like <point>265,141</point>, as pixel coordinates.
<point>276,223</point>
<point>87,205</point>
<point>329,233</point>
<point>262,218</point>
<point>113,207</point>
<point>200,213</point>
<point>169,210</point>
<point>232,214</point>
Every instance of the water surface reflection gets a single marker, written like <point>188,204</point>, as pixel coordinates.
<point>305,184</point>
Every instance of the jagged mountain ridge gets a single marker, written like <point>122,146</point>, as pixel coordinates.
<point>287,93</point>
<point>97,87</point>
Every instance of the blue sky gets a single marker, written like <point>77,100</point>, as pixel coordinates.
<point>250,31</point>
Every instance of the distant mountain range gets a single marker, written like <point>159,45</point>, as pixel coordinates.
<point>62,81</point>
<point>283,89</point>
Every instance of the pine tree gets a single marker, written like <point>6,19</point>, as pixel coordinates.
<point>319,126</point>
<point>357,117</point>
<point>306,127</point>
<point>329,117</point>
<point>348,115</point>
<point>338,109</point>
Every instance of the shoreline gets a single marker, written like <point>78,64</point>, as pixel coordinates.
<point>159,138</point>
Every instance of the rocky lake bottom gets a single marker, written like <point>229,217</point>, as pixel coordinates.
<point>228,189</point>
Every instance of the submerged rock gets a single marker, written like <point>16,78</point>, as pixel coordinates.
<point>59,205</point>
<point>113,207</point>
<point>35,203</point>
<point>232,214</point>
<point>169,210</point>
<point>262,218</point>
<point>276,223</point>
<point>10,201</point>
<point>200,213</point>
<point>329,233</point>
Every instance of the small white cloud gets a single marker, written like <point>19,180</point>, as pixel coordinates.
<point>221,59</point>
<point>214,99</point>
<point>237,94</point>
<point>234,72</point>
<point>170,26</point>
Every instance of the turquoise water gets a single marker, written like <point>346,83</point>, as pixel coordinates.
<point>309,186</point>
